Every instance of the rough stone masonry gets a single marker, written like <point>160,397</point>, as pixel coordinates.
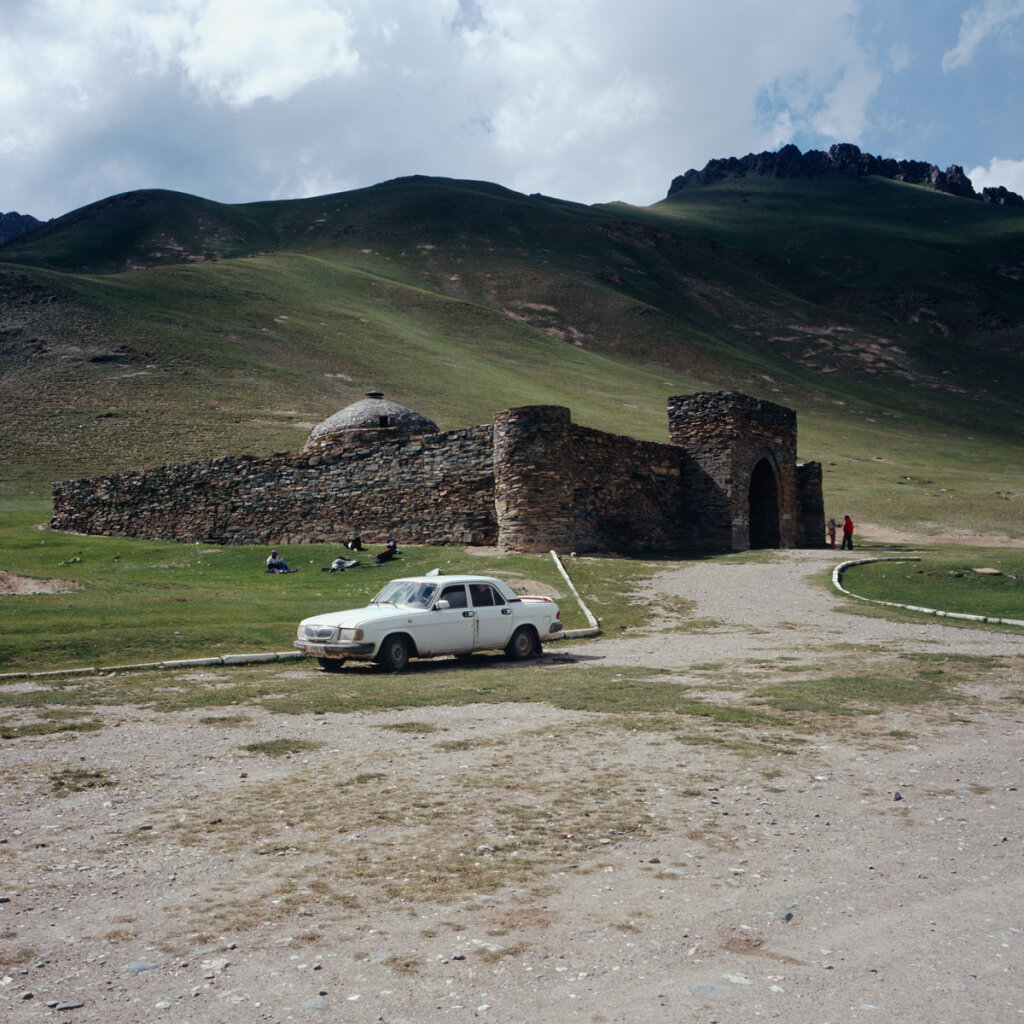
<point>530,481</point>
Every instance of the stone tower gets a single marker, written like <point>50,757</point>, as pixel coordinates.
<point>741,463</point>
<point>533,497</point>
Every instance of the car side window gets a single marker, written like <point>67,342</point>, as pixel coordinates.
<point>455,596</point>
<point>485,596</point>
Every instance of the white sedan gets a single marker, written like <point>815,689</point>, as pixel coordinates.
<point>425,616</point>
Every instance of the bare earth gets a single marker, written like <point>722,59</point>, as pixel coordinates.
<point>13,584</point>
<point>521,863</point>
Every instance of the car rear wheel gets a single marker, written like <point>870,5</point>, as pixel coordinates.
<point>524,644</point>
<point>331,664</point>
<point>394,653</point>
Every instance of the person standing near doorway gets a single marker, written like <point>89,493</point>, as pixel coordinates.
<point>847,533</point>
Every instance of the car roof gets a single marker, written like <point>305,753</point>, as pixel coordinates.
<point>448,579</point>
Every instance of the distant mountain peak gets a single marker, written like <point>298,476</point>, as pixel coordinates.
<point>846,158</point>
<point>13,224</point>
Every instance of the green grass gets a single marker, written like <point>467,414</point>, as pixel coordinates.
<point>144,601</point>
<point>280,747</point>
<point>56,720</point>
<point>880,683</point>
<point>851,694</point>
<point>419,285</point>
<point>947,579</point>
<point>74,780</point>
<point>362,779</point>
<point>647,700</point>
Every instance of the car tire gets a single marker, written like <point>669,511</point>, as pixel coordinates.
<point>524,644</point>
<point>331,664</point>
<point>394,653</point>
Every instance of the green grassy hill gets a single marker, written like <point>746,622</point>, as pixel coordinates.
<point>158,327</point>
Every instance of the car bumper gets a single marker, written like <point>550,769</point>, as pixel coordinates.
<point>555,627</point>
<point>348,650</point>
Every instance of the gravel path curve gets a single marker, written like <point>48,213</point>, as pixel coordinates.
<point>765,609</point>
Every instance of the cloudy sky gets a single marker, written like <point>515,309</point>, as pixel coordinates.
<point>589,100</point>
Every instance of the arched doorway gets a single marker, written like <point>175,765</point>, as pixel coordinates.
<point>764,507</point>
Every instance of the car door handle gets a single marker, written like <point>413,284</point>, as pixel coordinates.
<point>467,615</point>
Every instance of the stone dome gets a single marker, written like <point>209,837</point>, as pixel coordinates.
<point>374,413</point>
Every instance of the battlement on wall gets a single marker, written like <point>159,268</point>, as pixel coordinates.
<point>717,420</point>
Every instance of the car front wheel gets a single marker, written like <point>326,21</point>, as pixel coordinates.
<point>394,653</point>
<point>524,644</point>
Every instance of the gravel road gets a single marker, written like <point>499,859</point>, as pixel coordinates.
<point>762,609</point>
<point>525,863</point>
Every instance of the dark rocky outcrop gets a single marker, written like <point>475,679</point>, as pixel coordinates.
<point>844,158</point>
<point>1001,197</point>
<point>13,224</point>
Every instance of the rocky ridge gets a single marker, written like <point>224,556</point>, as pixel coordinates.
<point>13,224</point>
<point>845,158</point>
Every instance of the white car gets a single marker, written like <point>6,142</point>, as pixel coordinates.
<point>425,616</point>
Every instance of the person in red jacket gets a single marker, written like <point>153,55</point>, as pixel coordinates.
<point>847,534</point>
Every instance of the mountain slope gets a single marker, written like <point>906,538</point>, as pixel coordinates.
<point>159,327</point>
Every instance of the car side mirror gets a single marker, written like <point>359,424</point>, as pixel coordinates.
<point>441,605</point>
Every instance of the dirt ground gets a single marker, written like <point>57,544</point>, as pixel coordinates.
<point>522,863</point>
<point>13,584</point>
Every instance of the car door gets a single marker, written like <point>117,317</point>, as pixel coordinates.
<point>492,617</point>
<point>451,629</point>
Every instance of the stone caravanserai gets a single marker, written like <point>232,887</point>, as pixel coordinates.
<point>530,481</point>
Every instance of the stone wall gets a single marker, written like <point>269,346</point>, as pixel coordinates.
<point>533,482</point>
<point>627,494</point>
<point>435,491</point>
<point>532,488</point>
<point>570,488</point>
<point>812,505</point>
<point>733,439</point>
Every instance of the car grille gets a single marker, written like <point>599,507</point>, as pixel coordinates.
<point>318,632</point>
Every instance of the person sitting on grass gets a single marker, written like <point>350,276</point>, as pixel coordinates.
<point>390,551</point>
<point>276,564</point>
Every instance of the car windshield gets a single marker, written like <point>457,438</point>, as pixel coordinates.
<point>406,594</point>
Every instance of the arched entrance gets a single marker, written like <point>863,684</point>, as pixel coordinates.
<point>764,507</point>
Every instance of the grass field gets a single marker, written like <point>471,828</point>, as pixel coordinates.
<point>139,601</point>
<point>882,313</point>
<point>973,581</point>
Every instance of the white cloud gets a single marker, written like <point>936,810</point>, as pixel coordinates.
<point>579,80</point>
<point>977,24</point>
<point>1008,173</point>
<point>244,99</point>
<point>240,51</point>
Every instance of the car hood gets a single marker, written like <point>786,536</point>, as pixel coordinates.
<point>377,614</point>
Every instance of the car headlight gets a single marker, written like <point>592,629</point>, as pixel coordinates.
<point>315,632</point>
<point>351,634</point>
